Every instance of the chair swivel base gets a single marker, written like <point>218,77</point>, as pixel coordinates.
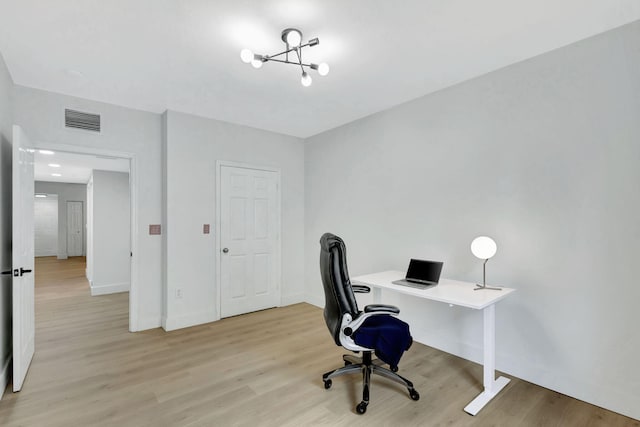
<point>367,366</point>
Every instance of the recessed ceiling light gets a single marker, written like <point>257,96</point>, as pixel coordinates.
<point>54,165</point>
<point>40,196</point>
<point>56,174</point>
<point>47,152</point>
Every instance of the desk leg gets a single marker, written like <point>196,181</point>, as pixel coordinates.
<point>491,386</point>
<point>377,295</point>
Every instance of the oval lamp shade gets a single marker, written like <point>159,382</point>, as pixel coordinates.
<point>483,247</point>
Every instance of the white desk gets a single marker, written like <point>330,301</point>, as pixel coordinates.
<point>455,293</point>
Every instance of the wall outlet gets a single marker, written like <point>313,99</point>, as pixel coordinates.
<point>178,293</point>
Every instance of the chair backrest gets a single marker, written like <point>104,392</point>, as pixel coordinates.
<point>338,294</point>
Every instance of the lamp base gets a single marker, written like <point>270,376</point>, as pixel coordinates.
<point>480,287</point>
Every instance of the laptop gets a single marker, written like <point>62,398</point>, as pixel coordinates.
<point>421,274</point>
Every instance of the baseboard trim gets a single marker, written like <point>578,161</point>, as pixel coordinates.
<point>171,323</point>
<point>291,299</point>
<point>145,323</point>
<point>4,375</point>
<point>63,256</point>
<point>313,300</point>
<point>113,288</point>
<point>43,254</point>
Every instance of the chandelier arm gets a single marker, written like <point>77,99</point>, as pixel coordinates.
<point>300,59</point>
<point>304,45</point>
<point>286,62</point>
<point>282,53</point>
<point>270,57</point>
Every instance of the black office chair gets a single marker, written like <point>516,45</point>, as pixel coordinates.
<point>343,320</point>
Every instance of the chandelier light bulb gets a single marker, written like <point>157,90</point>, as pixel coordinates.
<point>323,69</point>
<point>246,55</point>
<point>306,79</point>
<point>294,38</point>
<point>256,63</point>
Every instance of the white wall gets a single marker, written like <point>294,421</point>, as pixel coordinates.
<point>110,232</point>
<point>89,231</point>
<point>41,114</point>
<point>45,225</point>
<point>544,156</point>
<point>66,192</point>
<point>6,122</point>
<point>193,145</point>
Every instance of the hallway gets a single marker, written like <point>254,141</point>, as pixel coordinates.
<point>62,292</point>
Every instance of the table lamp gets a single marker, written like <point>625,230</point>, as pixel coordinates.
<point>484,248</point>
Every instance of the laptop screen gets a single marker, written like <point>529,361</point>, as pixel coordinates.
<point>424,270</point>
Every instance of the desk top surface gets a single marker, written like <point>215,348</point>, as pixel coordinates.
<point>449,291</point>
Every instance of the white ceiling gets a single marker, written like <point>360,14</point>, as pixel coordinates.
<point>184,55</point>
<point>74,168</point>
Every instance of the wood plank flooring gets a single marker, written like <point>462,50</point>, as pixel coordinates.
<point>259,369</point>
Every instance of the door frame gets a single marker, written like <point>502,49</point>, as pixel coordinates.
<point>218,276</point>
<point>133,185</point>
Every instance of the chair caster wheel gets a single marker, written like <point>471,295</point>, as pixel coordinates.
<point>327,384</point>
<point>361,408</point>
<point>414,394</point>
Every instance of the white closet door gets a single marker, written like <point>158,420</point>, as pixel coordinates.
<point>249,240</point>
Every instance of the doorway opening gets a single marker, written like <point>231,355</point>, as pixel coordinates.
<point>26,170</point>
<point>94,219</point>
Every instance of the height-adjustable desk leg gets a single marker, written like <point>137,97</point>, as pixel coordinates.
<point>377,295</point>
<point>491,386</point>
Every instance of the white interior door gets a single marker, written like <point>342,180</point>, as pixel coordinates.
<point>249,240</point>
<point>74,228</point>
<point>23,252</point>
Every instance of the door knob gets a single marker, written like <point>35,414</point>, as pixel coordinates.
<point>23,270</point>
<point>225,250</point>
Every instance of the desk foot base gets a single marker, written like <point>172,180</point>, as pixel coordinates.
<point>480,287</point>
<point>485,397</point>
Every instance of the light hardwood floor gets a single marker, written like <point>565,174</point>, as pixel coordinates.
<point>259,369</point>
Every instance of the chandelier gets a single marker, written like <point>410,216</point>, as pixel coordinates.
<point>292,37</point>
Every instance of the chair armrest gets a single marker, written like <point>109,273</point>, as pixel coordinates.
<point>360,289</point>
<point>350,325</point>
<point>381,308</point>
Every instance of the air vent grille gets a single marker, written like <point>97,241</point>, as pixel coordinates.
<point>79,120</point>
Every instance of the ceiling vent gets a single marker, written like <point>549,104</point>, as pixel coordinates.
<point>79,120</point>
